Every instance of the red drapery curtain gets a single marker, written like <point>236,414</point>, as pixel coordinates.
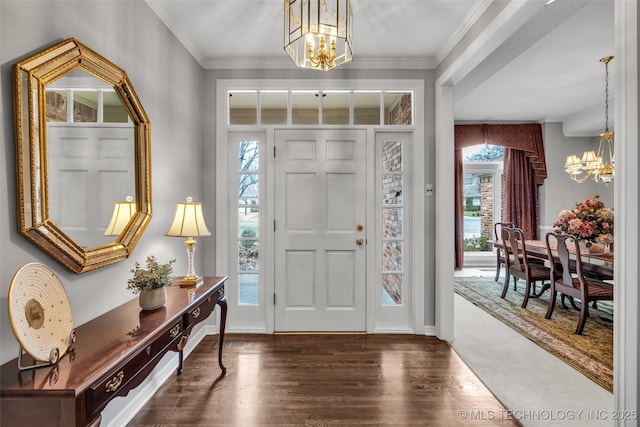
<point>524,170</point>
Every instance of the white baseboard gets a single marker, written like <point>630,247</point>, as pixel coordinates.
<point>246,331</point>
<point>430,330</point>
<point>393,331</point>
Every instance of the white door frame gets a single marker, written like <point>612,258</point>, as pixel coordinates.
<point>222,193</point>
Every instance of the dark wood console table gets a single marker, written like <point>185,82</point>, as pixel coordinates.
<point>112,354</point>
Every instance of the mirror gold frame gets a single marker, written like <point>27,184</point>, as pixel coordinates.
<point>31,76</point>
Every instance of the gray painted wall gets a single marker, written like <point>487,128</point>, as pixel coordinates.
<point>559,191</point>
<point>168,82</point>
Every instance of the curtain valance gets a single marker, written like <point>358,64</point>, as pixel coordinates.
<point>526,137</point>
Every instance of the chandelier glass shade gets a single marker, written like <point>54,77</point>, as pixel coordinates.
<point>596,166</point>
<point>318,33</point>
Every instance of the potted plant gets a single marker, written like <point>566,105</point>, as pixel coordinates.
<point>150,283</point>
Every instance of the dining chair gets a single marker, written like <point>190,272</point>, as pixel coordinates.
<point>500,260</point>
<point>520,266</point>
<point>576,285</point>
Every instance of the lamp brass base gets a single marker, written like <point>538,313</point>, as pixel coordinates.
<point>190,281</point>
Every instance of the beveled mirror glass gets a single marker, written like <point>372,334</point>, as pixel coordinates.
<point>83,157</point>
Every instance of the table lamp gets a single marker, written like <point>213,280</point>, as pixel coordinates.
<point>188,222</point>
<point>122,213</point>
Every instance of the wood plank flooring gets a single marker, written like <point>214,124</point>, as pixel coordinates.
<point>324,380</point>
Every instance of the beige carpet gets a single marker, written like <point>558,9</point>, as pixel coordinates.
<point>590,353</point>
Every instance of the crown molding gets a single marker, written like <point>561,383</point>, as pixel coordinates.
<point>284,62</point>
<point>162,11</point>
<point>475,13</point>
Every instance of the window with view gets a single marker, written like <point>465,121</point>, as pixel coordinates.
<point>482,193</point>
<point>248,221</point>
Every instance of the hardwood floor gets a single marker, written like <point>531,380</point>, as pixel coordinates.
<point>333,379</point>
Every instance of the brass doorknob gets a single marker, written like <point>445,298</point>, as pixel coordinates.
<point>359,241</point>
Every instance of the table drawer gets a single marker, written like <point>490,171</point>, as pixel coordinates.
<point>200,312</point>
<point>123,378</point>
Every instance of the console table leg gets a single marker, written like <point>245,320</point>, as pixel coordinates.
<point>223,323</point>
<point>180,357</point>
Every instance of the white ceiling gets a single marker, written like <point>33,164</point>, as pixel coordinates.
<point>547,70</point>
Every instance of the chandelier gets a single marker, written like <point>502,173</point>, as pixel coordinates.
<point>594,165</point>
<point>318,33</point>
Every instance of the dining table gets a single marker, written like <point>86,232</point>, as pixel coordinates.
<point>596,261</point>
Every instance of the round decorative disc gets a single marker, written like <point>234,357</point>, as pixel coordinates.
<point>39,312</point>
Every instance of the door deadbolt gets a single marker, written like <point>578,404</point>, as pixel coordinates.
<point>359,227</point>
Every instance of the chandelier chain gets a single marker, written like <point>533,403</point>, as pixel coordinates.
<point>596,166</point>
<point>606,96</point>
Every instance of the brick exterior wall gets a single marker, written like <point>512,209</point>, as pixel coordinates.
<point>487,205</point>
<point>392,227</point>
<point>400,114</point>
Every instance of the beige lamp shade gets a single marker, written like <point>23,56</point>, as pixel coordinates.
<point>188,221</point>
<point>122,213</point>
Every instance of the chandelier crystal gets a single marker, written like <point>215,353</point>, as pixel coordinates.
<point>318,33</point>
<point>594,165</point>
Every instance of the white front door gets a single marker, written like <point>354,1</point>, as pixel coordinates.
<point>320,234</point>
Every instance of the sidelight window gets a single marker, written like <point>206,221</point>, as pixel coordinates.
<point>248,233</point>
<point>392,222</point>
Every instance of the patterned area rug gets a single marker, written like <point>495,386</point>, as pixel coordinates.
<point>590,353</point>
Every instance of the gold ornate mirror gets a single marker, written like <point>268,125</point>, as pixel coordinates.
<point>83,157</point>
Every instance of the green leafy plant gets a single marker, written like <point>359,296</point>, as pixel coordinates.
<point>153,277</point>
<point>248,251</point>
<point>478,244</point>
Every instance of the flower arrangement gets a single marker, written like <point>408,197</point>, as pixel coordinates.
<point>155,276</point>
<point>590,221</point>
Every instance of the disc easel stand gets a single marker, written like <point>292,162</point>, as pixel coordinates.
<point>54,356</point>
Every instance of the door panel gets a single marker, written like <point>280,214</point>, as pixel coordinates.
<point>341,276</point>
<point>319,201</point>
<point>90,168</point>
<point>299,201</point>
<point>300,270</point>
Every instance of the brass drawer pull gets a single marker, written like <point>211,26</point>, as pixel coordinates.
<point>196,313</point>
<point>174,331</point>
<point>113,384</point>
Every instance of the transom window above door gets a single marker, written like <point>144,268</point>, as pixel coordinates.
<point>320,107</point>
